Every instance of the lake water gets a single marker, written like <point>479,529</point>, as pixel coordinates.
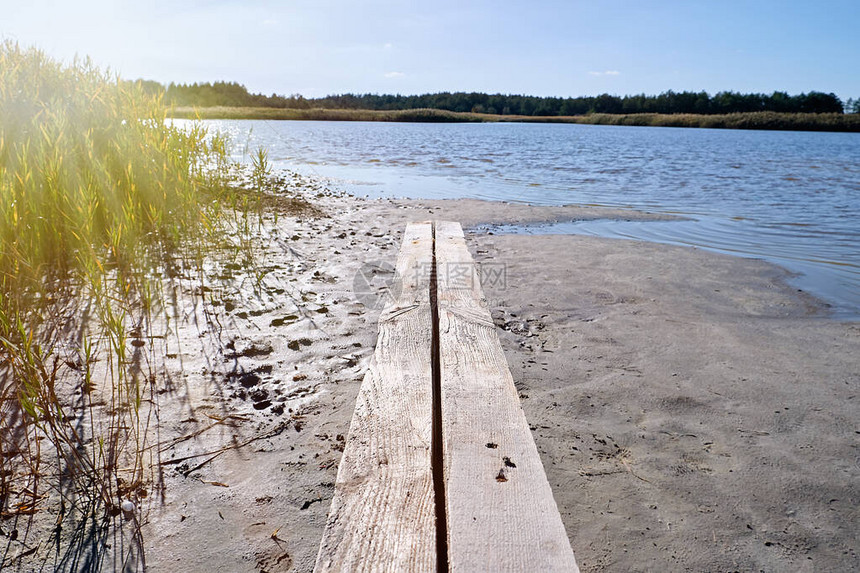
<point>792,198</point>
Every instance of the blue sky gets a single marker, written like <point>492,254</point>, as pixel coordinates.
<point>319,47</point>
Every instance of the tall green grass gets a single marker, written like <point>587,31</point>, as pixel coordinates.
<point>102,203</point>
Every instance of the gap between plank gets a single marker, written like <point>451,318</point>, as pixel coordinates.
<point>436,456</point>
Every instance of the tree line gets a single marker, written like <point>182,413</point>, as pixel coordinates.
<point>232,94</point>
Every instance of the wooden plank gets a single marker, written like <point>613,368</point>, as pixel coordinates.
<point>382,515</point>
<point>500,511</point>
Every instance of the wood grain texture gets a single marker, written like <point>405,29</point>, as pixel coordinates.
<point>501,513</point>
<point>382,514</point>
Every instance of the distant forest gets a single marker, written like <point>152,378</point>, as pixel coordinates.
<point>231,94</point>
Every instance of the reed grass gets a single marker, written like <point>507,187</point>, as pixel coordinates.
<point>319,114</point>
<point>753,120</point>
<point>764,120</point>
<point>102,203</point>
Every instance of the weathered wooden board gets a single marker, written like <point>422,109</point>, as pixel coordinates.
<point>382,516</point>
<point>500,510</point>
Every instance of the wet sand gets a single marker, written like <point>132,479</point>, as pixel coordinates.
<point>693,411</point>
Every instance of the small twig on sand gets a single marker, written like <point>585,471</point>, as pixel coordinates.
<point>215,453</point>
<point>218,422</point>
<point>630,469</point>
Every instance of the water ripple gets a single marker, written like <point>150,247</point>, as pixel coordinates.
<point>789,197</point>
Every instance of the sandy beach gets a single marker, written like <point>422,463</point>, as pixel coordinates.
<point>693,411</point>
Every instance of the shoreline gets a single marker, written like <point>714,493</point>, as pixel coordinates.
<point>530,220</point>
<point>802,278</point>
<point>771,121</point>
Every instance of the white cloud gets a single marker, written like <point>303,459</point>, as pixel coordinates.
<point>388,45</point>
<point>606,73</point>
<point>394,75</point>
